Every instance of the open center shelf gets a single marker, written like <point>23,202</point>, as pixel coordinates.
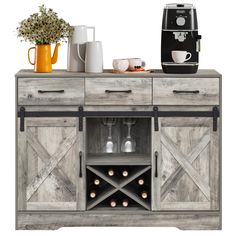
<point>118,145</point>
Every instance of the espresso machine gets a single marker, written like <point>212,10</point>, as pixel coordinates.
<point>180,33</point>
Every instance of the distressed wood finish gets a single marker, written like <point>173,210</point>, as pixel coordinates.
<point>184,220</point>
<point>186,150</point>
<point>49,179</point>
<point>141,91</point>
<point>208,91</point>
<point>185,190</point>
<point>22,169</point>
<point>81,180</point>
<point>155,177</point>
<point>28,91</point>
<point>203,73</point>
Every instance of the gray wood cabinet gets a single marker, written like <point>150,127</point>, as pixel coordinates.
<point>60,149</point>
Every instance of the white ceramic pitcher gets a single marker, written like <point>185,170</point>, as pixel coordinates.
<point>77,48</point>
<point>93,57</point>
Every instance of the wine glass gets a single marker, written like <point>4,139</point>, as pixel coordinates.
<point>128,144</point>
<point>109,146</point>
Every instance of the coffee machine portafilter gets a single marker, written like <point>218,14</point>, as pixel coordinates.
<point>180,33</point>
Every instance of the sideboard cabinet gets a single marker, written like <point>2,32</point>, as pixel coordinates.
<point>140,149</point>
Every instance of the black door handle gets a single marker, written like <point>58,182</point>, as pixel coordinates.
<point>186,91</point>
<point>80,164</point>
<point>156,164</point>
<point>118,91</point>
<point>51,91</point>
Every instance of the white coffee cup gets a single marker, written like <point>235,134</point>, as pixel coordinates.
<point>180,56</point>
<point>120,64</point>
<point>135,63</point>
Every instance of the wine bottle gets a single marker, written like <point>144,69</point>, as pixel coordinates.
<point>110,172</point>
<point>113,203</point>
<point>140,181</point>
<point>144,194</point>
<point>125,173</point>
<point>92,194</point>
<point>125,203</point>
<point>97,181</point>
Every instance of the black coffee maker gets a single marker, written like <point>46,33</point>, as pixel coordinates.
<point>179,33</point>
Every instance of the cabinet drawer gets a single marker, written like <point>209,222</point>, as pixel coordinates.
<point>186,91</point>
<point>118,91</point>
<point>50,91</point>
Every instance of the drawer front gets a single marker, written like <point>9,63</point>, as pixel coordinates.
<point>118,91</point>
<point>50,91</point>
<point>186,91</point>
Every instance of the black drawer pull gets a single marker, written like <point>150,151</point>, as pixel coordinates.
<point>118,91</point>
<point>186,91</point>
<point>51,91</point>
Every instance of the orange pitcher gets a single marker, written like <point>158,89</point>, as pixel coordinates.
<point>42,57</point>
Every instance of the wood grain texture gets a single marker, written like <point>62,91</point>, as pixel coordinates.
<point>55,220</point>
<point>156,163</point>
<point>208,91</point>
<point>45,157</point>
<point>157,73</point>
<point>22,169</point>
<point>52,163</point>
<point>215,168</point>
<point>51,206</point>
<point>51,157</point>
<point>188,141</point>
<point>81,194</point>
<point>188,150</point>
<point>179,172</point>
<point>141,91</point>
<point>28,91</point>
<point>186,165</point>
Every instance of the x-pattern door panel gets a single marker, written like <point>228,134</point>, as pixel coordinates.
<point>189,164</point>
<point>49,153</point>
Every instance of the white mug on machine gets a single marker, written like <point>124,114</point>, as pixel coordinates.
<point>180,56</point>
<point>94,57</point>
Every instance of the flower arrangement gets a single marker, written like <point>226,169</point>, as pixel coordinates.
<point>44,27</point>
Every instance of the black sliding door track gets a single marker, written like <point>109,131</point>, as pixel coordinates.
<point>89,114</point>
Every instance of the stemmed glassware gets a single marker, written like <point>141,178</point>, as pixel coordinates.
<point>110,145</point>
<point>128,144</point>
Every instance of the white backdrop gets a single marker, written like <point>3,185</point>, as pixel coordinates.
<point>127,28</point>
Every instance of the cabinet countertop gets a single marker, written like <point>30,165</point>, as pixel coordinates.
<point>155,73</point>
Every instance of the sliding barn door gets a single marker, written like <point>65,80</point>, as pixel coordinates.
<point>50,152</point>
<point>187,163</point>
